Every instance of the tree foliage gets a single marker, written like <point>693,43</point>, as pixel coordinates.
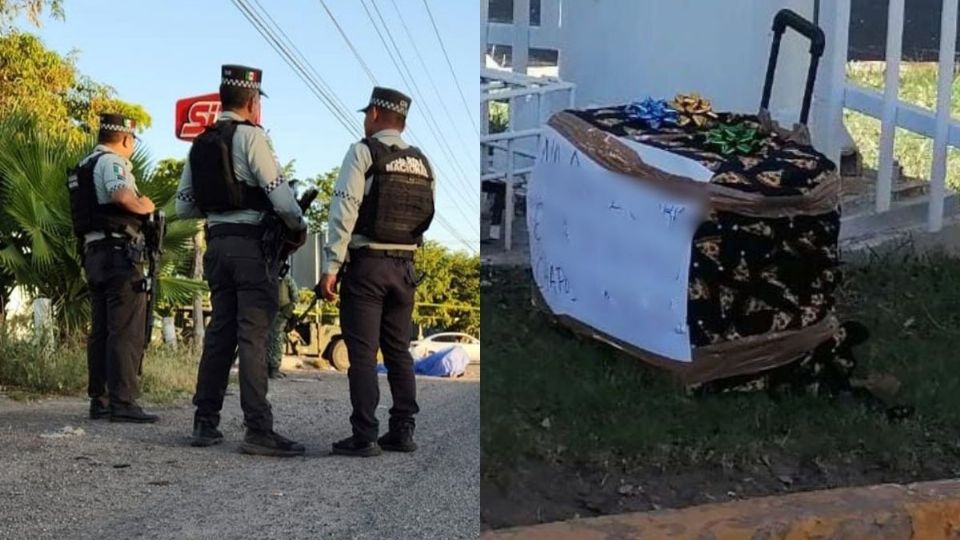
<point>47,87</point>
<point>38,249</point>
<point>319,212</point>
<point>33,9</point>
<point>450,286</point>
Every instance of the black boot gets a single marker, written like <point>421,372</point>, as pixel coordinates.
<point>275,373</point>
<point>398,439</point>
<point>131,413</point>
<point>98,410</point>
<point>269,443</point>
<point>354,447</point>
<point>205,434</point>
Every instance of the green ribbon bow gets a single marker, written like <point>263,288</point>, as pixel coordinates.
<point>739,138</point>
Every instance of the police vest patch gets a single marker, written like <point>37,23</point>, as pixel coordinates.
<point>408,165</point>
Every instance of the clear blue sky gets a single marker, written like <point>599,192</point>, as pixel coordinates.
<point>154,53</point>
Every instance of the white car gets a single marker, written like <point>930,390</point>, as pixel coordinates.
<point>445,340</point>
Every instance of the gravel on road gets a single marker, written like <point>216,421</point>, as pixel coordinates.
<point>95,479</point>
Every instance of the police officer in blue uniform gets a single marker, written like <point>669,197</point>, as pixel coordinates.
<point>232,178</point>
<point>382,204</point>
<point>108,214</point>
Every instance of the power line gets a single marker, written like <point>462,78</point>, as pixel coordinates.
<point>312,85</point>
<point>456,235</point>
<point>350,44</point>
<point>403,76</point>
<point>450,65</point>
<point>342,110</point>
<point>373,79</point>
<point>431,120</point>
<point>433,84</point>
<point>331,100</point>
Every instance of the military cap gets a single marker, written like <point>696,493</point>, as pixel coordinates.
<point>118,122</point>
<point>389,99</point>
<point>242,76</point>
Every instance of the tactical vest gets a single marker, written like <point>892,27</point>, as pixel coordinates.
<point>398,208</point>
<point>216,187</point>
<point>86,212</point>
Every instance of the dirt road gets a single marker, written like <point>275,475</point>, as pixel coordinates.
<point>120,481</point>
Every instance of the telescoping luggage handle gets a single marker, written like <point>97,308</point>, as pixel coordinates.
<point>788,18</point>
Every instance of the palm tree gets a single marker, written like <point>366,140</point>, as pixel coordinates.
<point>38,250</point>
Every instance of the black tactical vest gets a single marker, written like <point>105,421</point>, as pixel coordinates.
<point>399,207</point>
<point>86,212</point>
<point>216,187</point>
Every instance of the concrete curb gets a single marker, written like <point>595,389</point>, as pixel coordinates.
<point>926,511</point>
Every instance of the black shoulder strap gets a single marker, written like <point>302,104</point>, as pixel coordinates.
<point>378,149</point>
<point>91,162</point>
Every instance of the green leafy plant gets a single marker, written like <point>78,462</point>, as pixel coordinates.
<point>38,250</point>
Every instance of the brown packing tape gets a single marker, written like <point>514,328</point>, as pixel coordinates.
<point>751,354</point>
<point>612,154</point>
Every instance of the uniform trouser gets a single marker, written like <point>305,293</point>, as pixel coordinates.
<point>277,340</point>
<point>115,344</point>
<point>243,294</point>
<point>376,309</point>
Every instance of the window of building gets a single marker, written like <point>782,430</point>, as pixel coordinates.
<point>534,12</point>
<point>501,11</point>
<point>501,54</point>
<point>543,57</point>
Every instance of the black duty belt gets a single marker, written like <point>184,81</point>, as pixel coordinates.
<point>235,229</point>
<point>106,243</point>
<point>361,253</point>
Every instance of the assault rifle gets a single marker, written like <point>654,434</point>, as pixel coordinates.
<point>154,228</point>
<point>279,239</point>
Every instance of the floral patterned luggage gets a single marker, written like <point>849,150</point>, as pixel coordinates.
<point>702,242</point>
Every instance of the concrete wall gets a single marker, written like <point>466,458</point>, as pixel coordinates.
<point>616,51</point>
<point>306,263</point>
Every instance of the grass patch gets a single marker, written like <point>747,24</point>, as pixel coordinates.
<point>550,397</point>
<point>29,370</point>
<point>918,85</point>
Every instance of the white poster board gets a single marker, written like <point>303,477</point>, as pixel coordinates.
<point>611,251</point>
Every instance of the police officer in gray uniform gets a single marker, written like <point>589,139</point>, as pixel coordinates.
<point>108,215</point>
<point>239,197</point>
<point>382,204</point>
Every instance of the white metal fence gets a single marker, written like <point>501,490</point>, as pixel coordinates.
<point>512,157</point>
<point>890,110</point>
<point>509,156</point>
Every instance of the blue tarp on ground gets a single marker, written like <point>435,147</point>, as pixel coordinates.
<point>450,362</point>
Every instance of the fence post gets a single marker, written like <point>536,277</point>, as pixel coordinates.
<point>520,49</point>
<point>508,203</point>
<point>891,89</point>
<point>43,323</point>
<point>169,332</point>
<point>938,175</point>
<point>837,76</point>
<point>199,329</point>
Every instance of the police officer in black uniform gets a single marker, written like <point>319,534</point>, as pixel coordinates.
<point>243,198</point>
<point>382,204</point>
<point>108,215</point>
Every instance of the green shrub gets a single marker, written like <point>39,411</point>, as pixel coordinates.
<point>29,368</point>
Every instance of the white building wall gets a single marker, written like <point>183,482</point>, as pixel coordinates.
<point>522,37</point>
<point>616,51</point>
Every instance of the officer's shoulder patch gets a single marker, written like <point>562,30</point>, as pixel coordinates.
<point>119,170</point>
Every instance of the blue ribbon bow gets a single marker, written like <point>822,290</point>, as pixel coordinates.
<point>653,112</point>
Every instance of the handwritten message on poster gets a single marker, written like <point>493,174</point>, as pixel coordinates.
<point>610,250</point>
